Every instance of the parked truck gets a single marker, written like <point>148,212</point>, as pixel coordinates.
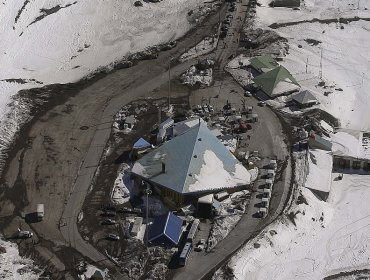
<point>40,211</point>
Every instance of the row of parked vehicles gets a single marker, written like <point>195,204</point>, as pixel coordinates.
<point>188,247</point>
<point>109,212</point>
<point>204,109</point>
<point>267,188</point>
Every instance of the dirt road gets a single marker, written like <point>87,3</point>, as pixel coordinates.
<point>55,162</point>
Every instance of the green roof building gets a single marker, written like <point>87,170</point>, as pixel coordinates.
<point>277,82</point>
<point>263,63</point>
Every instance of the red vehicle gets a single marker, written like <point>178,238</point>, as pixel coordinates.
<point>243,127</point>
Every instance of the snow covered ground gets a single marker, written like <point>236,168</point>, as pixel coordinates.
<point>345,55</point>
<point>205,46</point>
<point>14,267</point>
<point>326,237</point>
<point>316,239</point>
<point>61,41</point>
<point>122,186</point>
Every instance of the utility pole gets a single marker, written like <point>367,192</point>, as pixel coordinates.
<point>169,83</point>
<point>320,72</point>
<point>219,13</point>
<point>147,191</point>
<point>307,65</point>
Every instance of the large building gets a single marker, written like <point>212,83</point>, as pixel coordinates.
<point>189,166</point>
<point>351,149</point>
<point>276,82</point>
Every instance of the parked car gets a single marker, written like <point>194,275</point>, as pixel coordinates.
<point>24,234</point>
<point>210,108</point>
<point>261,103</point>
<point>108,214</point>
<point>230,16</point>
<point>224,28</point>
<point>109,222</point>
<point>247,93</point>
<point>113,237</point>
<point>201,245</point>
<point>205,109</point>
<point>227,21</point>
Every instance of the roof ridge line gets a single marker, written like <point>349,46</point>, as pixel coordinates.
<point>187,171</point>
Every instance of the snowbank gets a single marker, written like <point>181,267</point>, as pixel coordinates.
<point>344,50</point>
<point>122,186</point>
<point>61,41</point>
<point>320,164</point>
<point>193,76</point>
<point>328,237</point>
<point>205,46</point>
<point>14,267</point>
<point>347,144</point>
<point>212,174</point>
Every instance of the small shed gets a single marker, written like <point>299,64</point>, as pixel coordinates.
<point>141,144</point>
<point>204,206</point>
<point>165,229</point>
<point>305,99</point>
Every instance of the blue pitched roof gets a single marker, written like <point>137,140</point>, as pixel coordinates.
<point>141,143</point>
<point>182,157</point>
<point>165,229</point>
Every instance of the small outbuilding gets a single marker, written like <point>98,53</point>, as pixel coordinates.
<point>305,99</point>
<point>165,229</point>
<point>204,206</point>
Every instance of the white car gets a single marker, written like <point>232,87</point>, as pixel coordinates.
<point>24,234</point>
<point>201,245</point>
<point>112,236</point>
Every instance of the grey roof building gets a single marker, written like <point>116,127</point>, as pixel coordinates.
<point>193,162</point>
<point>305,99</point>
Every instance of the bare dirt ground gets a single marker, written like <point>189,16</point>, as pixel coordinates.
<point>47,157</point>
<point>56,157</point>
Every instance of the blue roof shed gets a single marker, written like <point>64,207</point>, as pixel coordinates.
<point>141,144</point>
<point>166,229</point>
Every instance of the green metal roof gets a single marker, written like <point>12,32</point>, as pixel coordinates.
<point>276,82</point>
<point>263,63</point>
